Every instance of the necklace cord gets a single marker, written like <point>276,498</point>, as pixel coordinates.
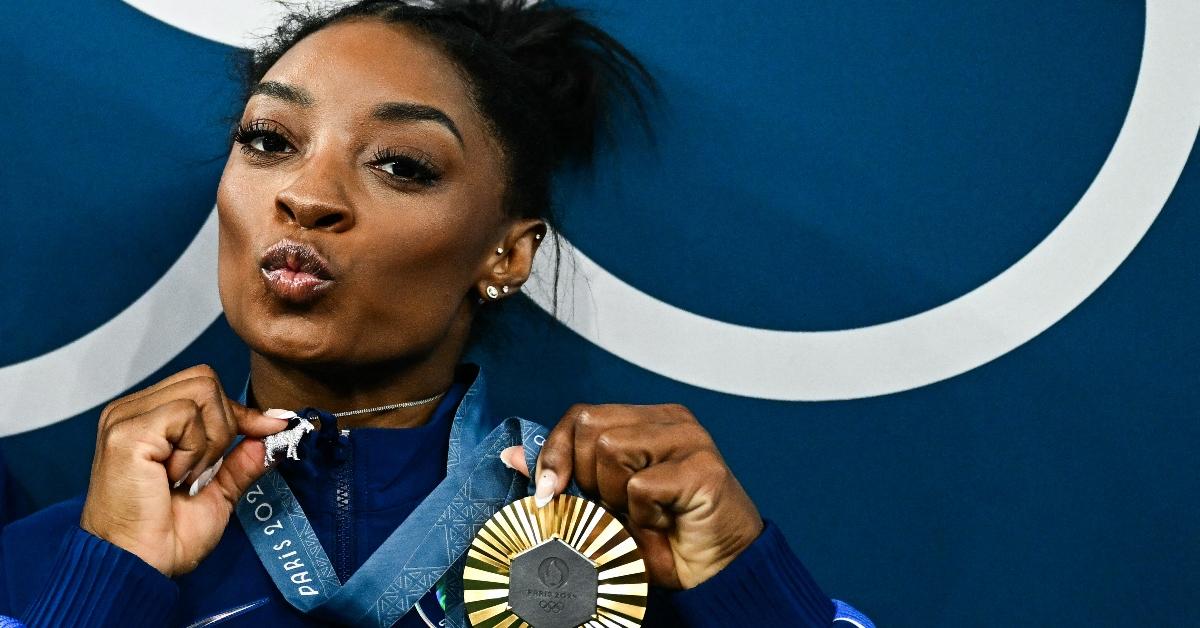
<point>393,406</point>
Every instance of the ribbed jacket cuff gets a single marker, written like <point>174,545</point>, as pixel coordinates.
<point>96,583</point>
<point>766,585</point>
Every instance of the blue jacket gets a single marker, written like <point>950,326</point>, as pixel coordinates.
<point>355,493</point>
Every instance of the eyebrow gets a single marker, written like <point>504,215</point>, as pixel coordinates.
<point>386,112</point>
<point>413,112</point>
<point>283,91</point>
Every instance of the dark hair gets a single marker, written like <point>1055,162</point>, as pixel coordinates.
<point>544,78</point>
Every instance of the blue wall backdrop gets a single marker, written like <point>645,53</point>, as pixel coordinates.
<point>821,166</point>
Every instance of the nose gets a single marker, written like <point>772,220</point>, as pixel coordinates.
<point>316,198</point>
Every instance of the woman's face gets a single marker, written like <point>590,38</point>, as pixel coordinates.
<point>360,208</point>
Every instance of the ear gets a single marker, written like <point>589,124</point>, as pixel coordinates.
<point>510,262</point>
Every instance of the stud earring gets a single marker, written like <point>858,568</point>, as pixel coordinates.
<point>537,236</point>
<point>504,290</point>
<point>492,292</point>
<point>499,251</point>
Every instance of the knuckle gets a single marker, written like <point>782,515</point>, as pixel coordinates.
<point>679,411</point>
<point>577,408</point>
<point>701,435</point>
<point>588,418</point>
<point>579,412</point>
<point>106,415</point>
<point>202,370</point>
<point>637,486</point>
<point>608,445</point>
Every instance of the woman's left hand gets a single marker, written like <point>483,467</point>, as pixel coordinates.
<point>660,470</point>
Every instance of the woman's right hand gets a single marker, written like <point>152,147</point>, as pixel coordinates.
<point>169,435</point>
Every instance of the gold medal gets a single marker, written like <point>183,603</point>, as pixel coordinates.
<point>568,564</point>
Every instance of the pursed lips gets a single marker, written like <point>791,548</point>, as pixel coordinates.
<point>295,272</point>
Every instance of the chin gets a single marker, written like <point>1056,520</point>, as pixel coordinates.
<point>296,339</point>
<point>296,353</point>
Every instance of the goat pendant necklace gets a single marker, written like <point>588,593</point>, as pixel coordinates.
<point>288,440</point>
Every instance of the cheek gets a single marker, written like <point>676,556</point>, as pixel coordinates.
<point>236,200</point>
<point>437,245</point>
<point>237,193</point>
<point>420,268</point>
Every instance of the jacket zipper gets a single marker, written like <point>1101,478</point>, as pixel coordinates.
<point>230,614</point>
<point>343,525</point>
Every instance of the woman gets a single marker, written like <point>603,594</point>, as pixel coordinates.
<point>388,184</point>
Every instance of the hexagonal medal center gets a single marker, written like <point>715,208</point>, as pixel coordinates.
<point>552,586</point>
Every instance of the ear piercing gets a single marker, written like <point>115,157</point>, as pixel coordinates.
<point>493,293</point>
<point>500,250</point>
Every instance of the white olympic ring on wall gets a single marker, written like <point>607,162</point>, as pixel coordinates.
<point>1010,309</point>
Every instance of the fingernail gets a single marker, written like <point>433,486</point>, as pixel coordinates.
<point>505,460</point>
<point>545,488</point>
<point>276,413</point>
<point>178,483</point>
<point>200,482</point>
<point>205,478</point>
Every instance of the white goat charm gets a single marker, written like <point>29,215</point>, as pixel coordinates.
<point>287,440</point>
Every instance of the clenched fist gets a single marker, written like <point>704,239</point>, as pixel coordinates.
<point>157,446</point>
<point>659,470</point>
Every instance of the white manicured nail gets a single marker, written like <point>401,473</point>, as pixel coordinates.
<point>276,413</point>
<point>178,483</point>
<point>205,478</point>
<point>216,467</point>
<point>545,488</point>
<point>199,484</point>
<point>514,458</point>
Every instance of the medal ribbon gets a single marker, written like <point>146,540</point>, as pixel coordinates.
<point>429,546</point>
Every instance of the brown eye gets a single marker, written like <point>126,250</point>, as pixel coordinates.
<point>406,168</point>
<point>269,143</point>
<point>262,136</point>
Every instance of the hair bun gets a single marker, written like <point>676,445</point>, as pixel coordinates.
<point>573,71</point>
